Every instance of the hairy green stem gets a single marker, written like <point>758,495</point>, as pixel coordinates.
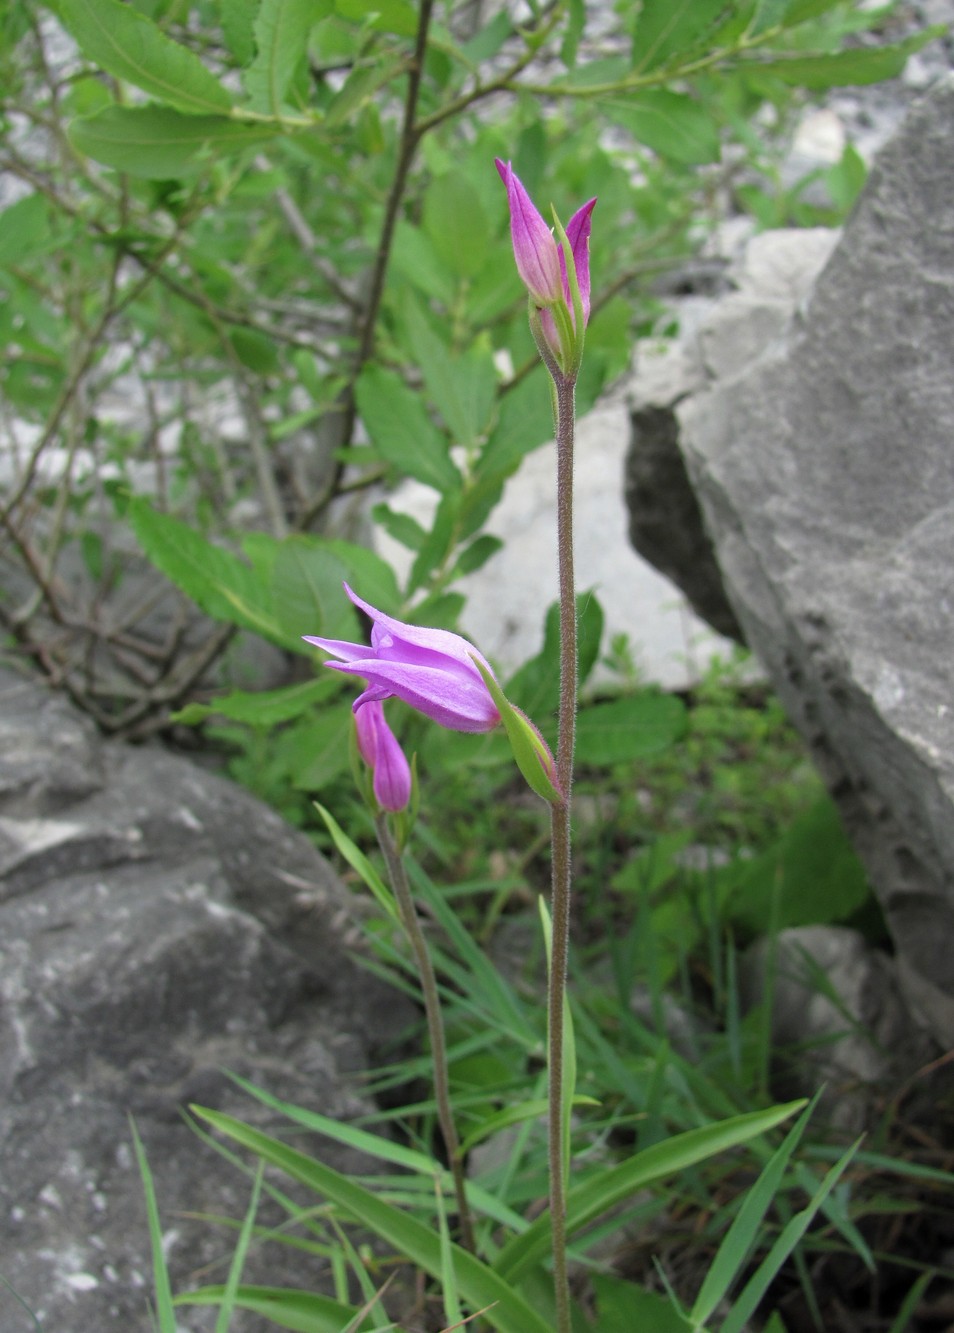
<point>560,831</point>
<point>435,1023</point>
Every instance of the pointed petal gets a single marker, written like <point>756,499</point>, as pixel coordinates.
<point>455,702</point>
<point>534,248</point>
<point>578,234</point>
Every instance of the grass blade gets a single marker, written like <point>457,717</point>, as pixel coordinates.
<point>479,1285</point>
<point>238,1258</point>
<point>738,1242</point>
<point>587,1201</point>
<point>164,1308</point>
<point>791,1234</point>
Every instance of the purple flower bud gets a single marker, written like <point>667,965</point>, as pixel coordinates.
<point>432,670</point>
<point>541,262</point>
<point>383,755</point>
<point>534,248</point>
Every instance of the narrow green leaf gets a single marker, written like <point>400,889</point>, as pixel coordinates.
<point>300,1311</point>
<point>359,862</point>
<point>401,430</point>
<point>791,1234</point>
<point>453,1315</point>
<point>167,1317</point>
<point>479,1285</point>
<point>534,1109</point>
<point>158,143</point>
<point>739,1240</point>
<point>127,44</point>
<point>239,1255</point>
<point>586,1202</point>
<point>909,1306</point>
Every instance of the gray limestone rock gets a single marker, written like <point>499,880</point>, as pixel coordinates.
<point>838,1019</point>
<point>825,473</point>
<point>157,926</point>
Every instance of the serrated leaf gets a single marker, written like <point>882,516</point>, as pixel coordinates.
<point>369,572</point>
<point>221,584</point>
<point>360,87</point>
<point>261,708</point>
<point>641,724</point>
<point>673,125</point>
<point>130,46</point>
<point>397,16</point>
<point>238,23</point>
<point>307,593</point>
<point>159,143</point>
<point>669,29</point>
<point>524,421</point>
<point>281,39</point>
<point>860,65</point>
<point>463,387</point>
<point>401,430</point>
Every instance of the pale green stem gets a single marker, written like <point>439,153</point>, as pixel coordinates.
<point>561,849</point>
<point>435,1023</point>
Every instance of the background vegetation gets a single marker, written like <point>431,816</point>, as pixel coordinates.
<point>255,272</point>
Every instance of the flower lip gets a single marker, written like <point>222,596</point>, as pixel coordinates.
<point>432,670</point>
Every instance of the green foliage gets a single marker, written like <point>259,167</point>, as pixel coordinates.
<point>241,222</point>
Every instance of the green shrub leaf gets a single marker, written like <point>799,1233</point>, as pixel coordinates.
<point>127,44</point>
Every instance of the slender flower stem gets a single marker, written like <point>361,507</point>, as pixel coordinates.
<point>560,828</point>
<point>435,1023</point>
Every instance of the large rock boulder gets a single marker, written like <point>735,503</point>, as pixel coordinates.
<point>824,467</point>
<point>157,926</point>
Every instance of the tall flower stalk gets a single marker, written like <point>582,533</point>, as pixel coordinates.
<point>443,677</point>
<point>397,873</point>
<point>556,272</point>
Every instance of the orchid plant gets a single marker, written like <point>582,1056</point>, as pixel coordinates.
<point>447,680</point>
